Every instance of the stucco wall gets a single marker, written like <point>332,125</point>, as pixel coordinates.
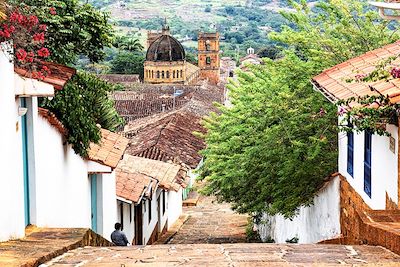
<point>383,167</point>
<point>62,183</point>
<point>174,208</point>
<point>163,217</point>
<point>107,209</point>
<point>149,226</point>
<point>11,179</point>
<point>315,223</point>
<point>128,220</point>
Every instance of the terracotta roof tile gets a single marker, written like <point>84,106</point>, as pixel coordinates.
<point>58,77</point>
<point>52,119</point>
<point>169,175</point>
<point>131,186</point>
<point>334,81</point>
<point>110,149</point>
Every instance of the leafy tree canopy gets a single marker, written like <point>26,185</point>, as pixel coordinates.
<point>80,106</point>
<point>271,151</point>
<point>73,29</point>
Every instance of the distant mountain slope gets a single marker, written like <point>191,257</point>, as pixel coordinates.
<point>242,23</point>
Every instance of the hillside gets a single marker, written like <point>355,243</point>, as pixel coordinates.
<point>242,23</point>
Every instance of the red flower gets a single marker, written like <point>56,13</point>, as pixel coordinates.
<point>46,70</point>
<point>30,57</point>
<point>33,20</point>
<point>38,37</point>
<point>21,54</point>
<point>53,11</point>
<point>43,27</point>
<point>38,75</point>
<point>43,52</point>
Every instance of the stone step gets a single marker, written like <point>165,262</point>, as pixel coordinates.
<point>43,244</point>
<point>240,254</point>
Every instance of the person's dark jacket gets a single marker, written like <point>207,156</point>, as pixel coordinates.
<point>119,238</point>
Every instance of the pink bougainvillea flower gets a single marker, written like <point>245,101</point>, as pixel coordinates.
<point>33,20</point>
<point>53,11</point>
<point>341,111</point>
<point>43,27</point>
<point>43,52</point>
<point>395,72</point>
<point>30,57</point>
<point>38,37</point>
<point>21,54</point>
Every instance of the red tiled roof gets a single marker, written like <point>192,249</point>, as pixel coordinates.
<point>58,77</point>
<point>334,84</point>
<point>52,119</point>
<point>110,149</point>
<point>167,137</point>
<point>131,186</point>
<point>169,175</point>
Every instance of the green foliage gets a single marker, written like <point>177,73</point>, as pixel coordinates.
<point>80,106</point>
<point>252,235</point>
<point>372,113</point>
<point>128,63</point>
<point>74,29</point>
<point>273,149</point>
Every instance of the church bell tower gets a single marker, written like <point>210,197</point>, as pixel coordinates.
<point>209,58</point>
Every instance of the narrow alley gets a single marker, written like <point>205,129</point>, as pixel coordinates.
<point>211,222</point>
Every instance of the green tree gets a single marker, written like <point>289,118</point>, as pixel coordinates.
<point>73,29</point>
<point>128,63</point>
<point>128,44</point>
<point>273,149</point>
<point>80,106</point>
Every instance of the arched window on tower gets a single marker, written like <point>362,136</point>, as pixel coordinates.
<point>167,74</point>
<point>152,74</point>
<point>208,60</point>
<point>162,74</point>
<point>208,45</point>
<point>158,74</point>
<point>173,74</point>
<point>181,74</point>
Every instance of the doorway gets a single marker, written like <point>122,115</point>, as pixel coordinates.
<point>138,225</point>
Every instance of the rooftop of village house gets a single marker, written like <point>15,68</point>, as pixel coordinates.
<point>340,82</point>
<point>167,134</point>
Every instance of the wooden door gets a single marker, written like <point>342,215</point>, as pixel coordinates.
<point>138,225</point>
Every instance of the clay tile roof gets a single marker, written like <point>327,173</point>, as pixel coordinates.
<point>52,119</point>
<point>58,77</point>
<point>168,137</point>
<point>338,83</point>
<point>168,174</point>
<point>130,185</point>
<point>110,149</point>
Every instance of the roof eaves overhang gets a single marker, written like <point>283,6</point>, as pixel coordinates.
<point>324,92</point>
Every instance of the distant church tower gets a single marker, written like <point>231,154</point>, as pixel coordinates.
<point>209,58</point>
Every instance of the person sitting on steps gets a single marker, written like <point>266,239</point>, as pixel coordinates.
<point>118,237</point>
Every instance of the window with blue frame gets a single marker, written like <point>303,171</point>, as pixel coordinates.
<point>350,152</point>
<point>367,162</point>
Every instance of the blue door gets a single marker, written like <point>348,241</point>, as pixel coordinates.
<point>24,132</point>
<point>93,195</point>
<point>367,162</point>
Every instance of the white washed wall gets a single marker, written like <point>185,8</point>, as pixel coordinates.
<point>383,167</point>
<point>11,178</point>
<point>62,186</point>
<point>162,216</point>
<point>128,221</point>
<point>148,227</point>
<point>315,223</point>
<point>174,208</point>
<point>107,209</point>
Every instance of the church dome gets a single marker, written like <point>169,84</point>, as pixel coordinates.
<point>165,48</point>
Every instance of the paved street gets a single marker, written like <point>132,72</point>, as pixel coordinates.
<point>250,254</point>
<point>213,223</point>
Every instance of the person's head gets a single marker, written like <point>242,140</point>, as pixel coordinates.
<point>117,226</point>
